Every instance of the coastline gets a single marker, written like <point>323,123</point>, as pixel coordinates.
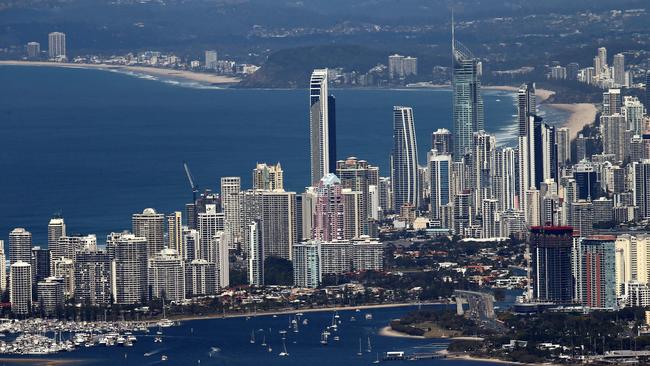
<point>387,331</point>
<point>187,75</point>
<point>294,311</point>
<point>39,361</point>
<point>581,115</point>
<point>541,94</point>
<point>465,357</point>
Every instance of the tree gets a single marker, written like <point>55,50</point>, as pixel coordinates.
<point>278,271</point>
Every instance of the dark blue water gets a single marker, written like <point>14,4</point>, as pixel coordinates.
<point>100,146</point>
<point>193,340</point>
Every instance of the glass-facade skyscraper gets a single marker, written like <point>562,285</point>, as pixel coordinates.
<point>404,159</point>
<point>322,127</point>
<point>467,99</point>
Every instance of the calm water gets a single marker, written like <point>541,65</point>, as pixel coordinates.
<point>99,146</point>
<point>192,342</point>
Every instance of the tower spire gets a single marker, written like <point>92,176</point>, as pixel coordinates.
<point>453,33</point>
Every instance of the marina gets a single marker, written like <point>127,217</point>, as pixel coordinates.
<point>226,341</point>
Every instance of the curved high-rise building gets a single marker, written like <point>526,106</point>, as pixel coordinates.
<point>404,159</point>
<point>322,127</point>
<point>467,99</point>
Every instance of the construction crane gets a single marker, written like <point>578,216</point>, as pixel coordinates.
<point>190,178</point>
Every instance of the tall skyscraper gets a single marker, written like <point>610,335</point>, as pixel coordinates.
<point>613,129</point>
<point>467,100</point>
<point>439,183</point>
<point>441,141</point>
<point>150,225</point>
<point>279,223</point>
<point>93,278</point>
<point>527,120</point>
<point>268,177</point>
<point>40,263</point>
<point>482,160</point>
<point>33,50</point>
<point>230,201</point>
<point>201,278</point>
<point>166,276</point>
<point>322,126</point>
<point>328,219</point>
<point>634,111</point>
<point>404,158</point>
<point>619,69</point>
<point>602,58</point>
<point>211,59</point>
<point>410,66</point>
<point>20,287</point>
<point>490,218</point>
<point>353,220</point>
<point>307,265</point>
<point>129,256</point>
<point>20,245</point>
<point>641,189</point>
<point>647,90</point>
<point>563,140</point>
<point>582,217</point>
<point>504,177</point>
<point>256,255</point>
<point>210,223</point>
<point>175,233</point>
<point>598,271</point>
<point>396,66</point>
<point>587,184</point>
<point>550,251</point>
<point>55,230</point>
<point>56,45</point>
<point>3,267</point>
<point>356,175</point>
<point>612,102</point>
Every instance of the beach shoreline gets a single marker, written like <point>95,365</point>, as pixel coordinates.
<point>541,94</point>
<point>294,311</point>
<point>187,75</point>
<point>580,115</point>
<point>387,331</point>
<point>464,357</point>
<point>39,361</point>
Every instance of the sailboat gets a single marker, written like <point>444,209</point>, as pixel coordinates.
<point>323,337</point>
<point>377,360</point>
<point>360,352</point>
<point>252,337</point>
<point>284,352</point>
<point>264,341</point>
<point>369,346</point>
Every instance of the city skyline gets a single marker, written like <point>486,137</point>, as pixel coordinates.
<point>522,206</point>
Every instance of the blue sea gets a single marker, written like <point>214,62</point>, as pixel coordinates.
<point>228,342</point>
<point>98,146</point>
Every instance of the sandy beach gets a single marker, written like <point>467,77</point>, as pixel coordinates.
<point>582,114</point>
<point>387,331</point>
<point>294,311</point>
<point>155,71</point>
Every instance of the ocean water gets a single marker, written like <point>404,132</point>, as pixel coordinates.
<point>227,342</point>
<point>99,146</point>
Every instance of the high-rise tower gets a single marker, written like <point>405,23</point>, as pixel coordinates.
<point>322,126</point>
<point>404,159</point>
<point>467,100</point>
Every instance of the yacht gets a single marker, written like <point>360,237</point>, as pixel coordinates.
<point>284,352</point>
